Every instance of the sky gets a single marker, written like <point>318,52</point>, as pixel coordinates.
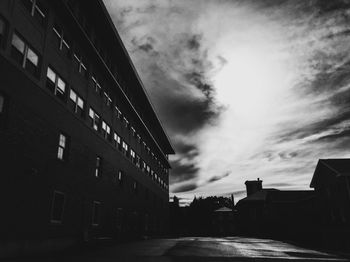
<point>245,89</point>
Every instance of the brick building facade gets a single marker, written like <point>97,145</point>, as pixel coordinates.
<point>83,153</point>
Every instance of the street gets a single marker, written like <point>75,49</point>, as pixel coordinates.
<point>196,249</point>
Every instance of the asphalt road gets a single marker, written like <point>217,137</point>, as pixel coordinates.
<point>195,249</point>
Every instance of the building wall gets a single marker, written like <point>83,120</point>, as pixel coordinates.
<point>31,122</point>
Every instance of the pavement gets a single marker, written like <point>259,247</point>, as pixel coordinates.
<point>193,249</point>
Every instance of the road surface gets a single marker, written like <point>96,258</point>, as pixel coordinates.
<point>195,249</point>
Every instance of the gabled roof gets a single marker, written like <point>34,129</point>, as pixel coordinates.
<point>273,195</point>
<point>260,195</point>
<point>338,167</point>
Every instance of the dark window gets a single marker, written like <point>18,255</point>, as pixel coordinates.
<point>125,149</point>
<point>36,9</point>
<point>96,85</point>
<point>62,41</point>
<point>3,30</point>
<point>76,103</point>
<point>106,130</point>
<point>3,109</point>
<point>95,119</point>
<point>120,177</point>
<point>117,141</point>
<point>107,99</point>
<point>133,131</point>
<point>135,187</point>
<point>2,103</point>
<point>24,55</point>
<point>118,112</point>
<point>56,84</point>
<point>96,206</point>
<point>126,123</point>
<point>132,156</point>
<point>63,147</point>
<point>143,166</point>
<point>80,64</point>
<point>57,207</point>
<point>138,161</point>
<point>98,165</point>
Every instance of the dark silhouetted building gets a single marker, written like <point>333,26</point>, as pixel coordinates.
<point>331,181</point>
<point>279,214</point>
<point>83,154</point>
<point>223,221</point>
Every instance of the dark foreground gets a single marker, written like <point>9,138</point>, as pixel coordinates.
<point>195,249</point>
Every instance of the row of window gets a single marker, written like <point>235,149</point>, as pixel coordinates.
<point>27,58</point>
<point>58,204</point>
<point>63,154</point>
<point>58,210</point>
<point>39,12</point>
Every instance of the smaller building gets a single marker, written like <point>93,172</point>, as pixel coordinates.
<point>223,221</point>
<point>278,214</point>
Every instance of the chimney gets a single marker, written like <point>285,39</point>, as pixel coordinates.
<point>253,186</point>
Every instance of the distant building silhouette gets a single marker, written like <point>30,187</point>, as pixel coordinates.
<point>277,213</point>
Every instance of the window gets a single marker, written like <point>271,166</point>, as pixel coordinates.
<point>139,138</point>
<point>143,166</point>
<point>3,27</point>
<point>2,104</point>
<point>24,55</point>
<point>126,122</point>
<point>117,141</point>
<point>76,102</point>
<point>57,207</point>
<point>96,206</point>
<point>132,156</point>
<point>125,149</point>
<point>3,108</point>
<point>96,85</point>
<point>135,187</point>
<point>108,99</point>
<point>148,170</point>
<point>36,9</point>
<point>95,119</point>
<point>98,165</point>
<point>138,161</point>
<point>55,84</point>
<point>120,177</point>
<point>80,64</point>
<point>106,130</point>
<point>63,143</point>
<point>118,113</point>
<point>133,131</point>
<point>62,41</point>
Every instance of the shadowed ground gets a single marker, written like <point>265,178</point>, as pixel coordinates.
<point>196,249</point>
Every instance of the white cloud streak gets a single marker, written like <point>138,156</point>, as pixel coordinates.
<point>278,79</point>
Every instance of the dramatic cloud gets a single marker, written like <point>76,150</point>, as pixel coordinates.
<point>245,88</point>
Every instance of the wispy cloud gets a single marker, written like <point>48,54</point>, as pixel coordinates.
<point>253,88</point>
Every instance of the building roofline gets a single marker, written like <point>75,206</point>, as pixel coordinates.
<point>169,146</point>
